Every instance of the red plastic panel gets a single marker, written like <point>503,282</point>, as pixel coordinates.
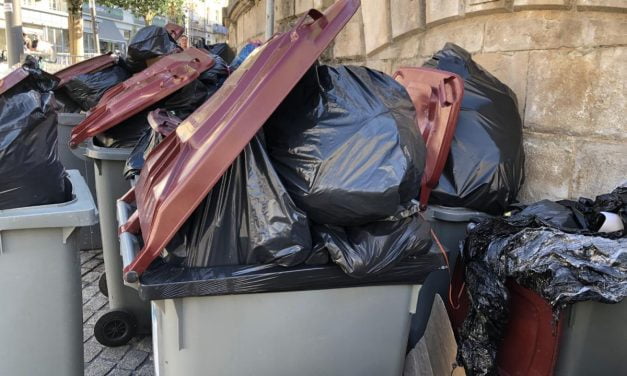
<point>94,64</point>
<point>148,87</point>
<point>181,171</point>
<point>12,79</point>
<point>437,97</point>
<point>531,342</point>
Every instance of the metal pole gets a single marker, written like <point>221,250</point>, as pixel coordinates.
<point>94,25</point>
<point>269,19</point>
<point>13,28</point>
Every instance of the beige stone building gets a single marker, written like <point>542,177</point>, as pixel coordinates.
<point>565,59</point>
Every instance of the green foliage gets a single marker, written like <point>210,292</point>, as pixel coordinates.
<point>147,8</point>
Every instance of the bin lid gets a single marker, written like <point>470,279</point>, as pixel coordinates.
<point>164,77</point>
<point>13,78</point>
<point>179,173</point>
<point>437,96</point>
<point>94,64</point>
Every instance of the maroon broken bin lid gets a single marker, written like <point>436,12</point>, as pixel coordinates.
<point>437,96</point>
<point>167,75</point>
<point>94,64</point>
<point>179,173</point>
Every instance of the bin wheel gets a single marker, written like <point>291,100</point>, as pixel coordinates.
<point>115,328</point>
<point>102,285</point>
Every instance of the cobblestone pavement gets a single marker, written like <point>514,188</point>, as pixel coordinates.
<point>133,359</point>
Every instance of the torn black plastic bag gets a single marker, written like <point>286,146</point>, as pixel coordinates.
<point>30,170</point>
<point>373,248</point>
<point>485,167</point>
<point>247,218</point>
<point>567,263</point>
<point>149,42</point>
<point>346,145</point>
<point>87,89</point>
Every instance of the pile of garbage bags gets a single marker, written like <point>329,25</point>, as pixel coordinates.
<point>558,249</point>
<point>29,164</point>
<point>334,180</point>
<point>485,167</point>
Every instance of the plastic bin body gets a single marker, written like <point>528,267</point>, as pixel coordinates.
<point>88,237</point>
<point>593,340</point>
<point>356,331</point>
<point>110,185</point>
<point>41,326</point>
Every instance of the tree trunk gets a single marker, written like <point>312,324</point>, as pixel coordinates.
<point>75,29</point>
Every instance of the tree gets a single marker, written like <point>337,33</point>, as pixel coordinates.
<point>75,29</point>
<point>147,9</point>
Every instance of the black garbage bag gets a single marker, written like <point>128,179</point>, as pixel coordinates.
<point>214,77</point>
<point>247,218</point>
<point>149,42</point>
<point>179,106</point>
<point>544,248</point>
<point>346,145</point>
<point>485,167</point>
<point>223,50</point>
<point>373,248</point>
<point>186,100</point>
<point>126,134</point>
<point>148,142</point>
<point>30,170</point>
<point>87,89</point>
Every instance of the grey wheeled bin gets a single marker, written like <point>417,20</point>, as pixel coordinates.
<point>128,315</point>
<point>267,320</point>
<point>88,237</point>
<point>41,326</point>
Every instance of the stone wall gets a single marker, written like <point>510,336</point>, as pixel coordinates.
<point>565,59</point>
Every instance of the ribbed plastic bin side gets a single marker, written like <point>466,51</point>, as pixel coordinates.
<point>125,306</point>
<point>346,331</point>
<point>89,237</point>
<point>41,316</point>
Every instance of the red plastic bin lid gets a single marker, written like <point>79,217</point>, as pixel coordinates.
<point>181,171</point>
<point>13,78</point>
<point>94,64</point>
<point>164,77</point>
<point>437,97</point>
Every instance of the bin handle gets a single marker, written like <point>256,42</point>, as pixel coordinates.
<point>129,244</point>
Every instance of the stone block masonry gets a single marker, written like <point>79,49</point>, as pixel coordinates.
<point>564,59</point>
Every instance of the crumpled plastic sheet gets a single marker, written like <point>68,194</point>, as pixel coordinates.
<point>87,89</point>
<point>545,247</point>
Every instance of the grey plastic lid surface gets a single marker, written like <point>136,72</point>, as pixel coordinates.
<point>108,154</point>
<point>70,119</point>
<point>78,212</point>
<point>453,214</point>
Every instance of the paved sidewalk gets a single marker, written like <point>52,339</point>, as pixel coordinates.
<point>134,358</point>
